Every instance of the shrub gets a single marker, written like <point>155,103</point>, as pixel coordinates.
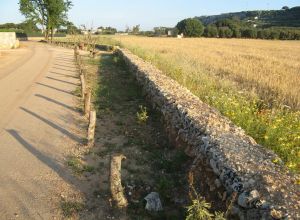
<point>175,32</point>
<point>274,35</point>
<point>236,33</point>
<point>190,27</point>
<point>211,31</point>
<point>263,34</point>
<point>142,115</point>
<point>225,32</point>
<point>200,209</point>
<point>228,33</point>
<point>249,33</point>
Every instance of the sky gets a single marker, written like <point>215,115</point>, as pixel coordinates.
<point>147,13</point>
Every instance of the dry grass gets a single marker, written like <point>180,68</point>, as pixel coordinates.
<point>271,69</point>
<point>253,82</point>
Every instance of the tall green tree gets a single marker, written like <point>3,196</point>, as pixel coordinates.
<point>190,27</point>
<point>50,14</point>
<point>57,14</point>
<point>35,11</point>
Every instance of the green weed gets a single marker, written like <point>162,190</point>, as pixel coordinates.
<point>142,115</point>
<point>78,167</point>
<point>70,208</point>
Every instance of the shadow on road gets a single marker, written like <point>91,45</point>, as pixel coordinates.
<point>65,75</point>
<point>63,64</point>
<point>58,68</point>
<point>59,80</point>
<point>51,87</point>
<point>62,130</point>
<point>50,162</point>
<point>56,102</point>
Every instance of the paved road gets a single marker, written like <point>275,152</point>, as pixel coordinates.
<point>37,129</point>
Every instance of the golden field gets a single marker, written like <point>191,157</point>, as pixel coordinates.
<point>271,69</point>
<point>255,83</point>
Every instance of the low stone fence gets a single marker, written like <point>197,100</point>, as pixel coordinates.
<point>263,189</point>
<point>8,40</point>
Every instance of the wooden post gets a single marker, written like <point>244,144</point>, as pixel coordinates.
<point>87,102</point>
<point>79,61</point>
<point>91,129</point>
<point>83,71</point>
<point>76,50</point>
<point>82,85</point>
<point>116,188</point>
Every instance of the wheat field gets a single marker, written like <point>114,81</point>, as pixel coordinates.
<point>255,83</point>
<point>270,69</point>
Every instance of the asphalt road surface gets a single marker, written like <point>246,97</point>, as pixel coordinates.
<point>37,129</point>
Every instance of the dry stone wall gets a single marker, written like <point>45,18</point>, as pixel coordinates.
<point>265,190</point>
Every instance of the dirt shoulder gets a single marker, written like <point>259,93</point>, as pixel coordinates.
<point>127,125</point>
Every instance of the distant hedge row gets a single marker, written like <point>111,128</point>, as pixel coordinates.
<point>226,32</point>
<point>22,34</point>
<point>234,28</point>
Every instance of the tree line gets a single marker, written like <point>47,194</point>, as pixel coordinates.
<point>233,28</point>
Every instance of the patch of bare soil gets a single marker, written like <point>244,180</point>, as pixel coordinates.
<point>127,125</point>
<point>9,57</point>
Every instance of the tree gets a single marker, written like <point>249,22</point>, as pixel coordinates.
<point>136,29</point>
<point>106,30</point>
<point>211,31</point>
<point>249,33</point>
<point>159,31</point>
<point>57,14</point>
<point>225,32</point>
<point>50,14</point>
<point>28,27</point>
<point>127,29</point>
<point>35,11</point>
<point>190,27</point>
<point>72,29</point>
<point>228,33</point>
<point>274,34</point>
<point>236,33</point>
<point>175,32</point>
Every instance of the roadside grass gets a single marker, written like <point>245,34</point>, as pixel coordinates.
<point>78,167</point>
<point>77,91</point>
<point>259,110</point>
<point>71,208</point>
<point>132,128</point>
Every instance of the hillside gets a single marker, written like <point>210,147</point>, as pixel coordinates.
<point>266,18</point>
